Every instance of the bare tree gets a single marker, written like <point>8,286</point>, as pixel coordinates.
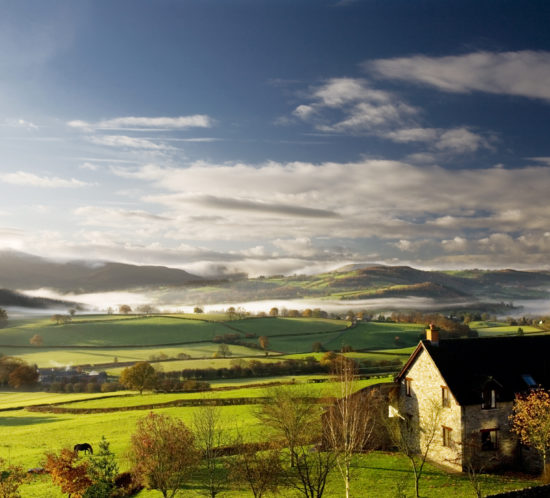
<point>349,422</point>
<point>210,437</point>
<point>415,437</point>
<point>291,415</point>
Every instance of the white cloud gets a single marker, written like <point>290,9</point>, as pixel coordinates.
<point>460,140</point>
<point>179,123</point>
<point>523,73</point>
<point>89,166</point>
<point>360,107</point>
<point>127,142</point>
<point>32,180</point>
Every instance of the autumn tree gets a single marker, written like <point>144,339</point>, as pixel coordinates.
<point>163,453</point>
<point>210,436</point>
<point>124,309</point>
<point>11,477</point>
<point>198,309</point>
<point>67,473</point>
<point>349,421</point>
<point>530,420</point>
<point>274,312</point>
<point>140,376</point>
<point>263,341</point>
<point>36,340</point>
<point>23,376</point>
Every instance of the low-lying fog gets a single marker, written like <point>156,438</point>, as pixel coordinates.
<point>101,302</point>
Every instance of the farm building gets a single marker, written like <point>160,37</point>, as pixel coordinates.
<point>471,384</point>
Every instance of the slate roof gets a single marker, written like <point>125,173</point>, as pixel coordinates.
<point>471,365</point>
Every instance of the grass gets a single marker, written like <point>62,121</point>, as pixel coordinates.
<point>53,357</point>
<point>292,326</point>
<point>321,389</point>
<point>139,331</point>
<point>11,399</point>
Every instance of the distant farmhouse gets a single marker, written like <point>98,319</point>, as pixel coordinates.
<point>474,382</point>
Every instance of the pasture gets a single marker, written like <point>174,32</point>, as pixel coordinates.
<point>27,435</point>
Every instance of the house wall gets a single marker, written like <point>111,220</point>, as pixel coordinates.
<point>424,406</point>
<point>477,419</point>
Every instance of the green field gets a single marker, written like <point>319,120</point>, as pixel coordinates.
<point>27,435</point>
<point>106,339</point>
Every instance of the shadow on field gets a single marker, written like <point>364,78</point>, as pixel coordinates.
<point>18,421</point>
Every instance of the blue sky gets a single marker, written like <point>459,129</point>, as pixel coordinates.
<point>276,136</point>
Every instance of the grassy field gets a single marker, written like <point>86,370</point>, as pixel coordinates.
<point>102,339</point>
<point>27,435</point>
<point>52,357</point>
<point>377,474</point>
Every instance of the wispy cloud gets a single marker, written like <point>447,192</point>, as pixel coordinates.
<point>102,216</point>
<point>30,179</point>
<point>134,122</point>
<point>124,141</point>
<point>522,73</point>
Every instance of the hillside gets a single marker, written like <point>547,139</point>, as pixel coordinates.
<point>10,298</point>
<point>22,271</point>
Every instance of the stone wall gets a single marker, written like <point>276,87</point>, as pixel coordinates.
<point>477,419</point>
<point>424,406</point>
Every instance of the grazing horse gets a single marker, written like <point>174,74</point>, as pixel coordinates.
<point>85,447</point>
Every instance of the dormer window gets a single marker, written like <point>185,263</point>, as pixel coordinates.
<point>445,397</point>
<point>489,399</point>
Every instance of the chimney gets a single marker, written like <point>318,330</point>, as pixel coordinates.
<point>432,335</point>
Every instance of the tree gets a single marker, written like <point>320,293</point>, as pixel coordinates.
<point>295,418</point>
<point>414,438</point>
<point>289,413</point>
<point>23,376</point>
<point>210,436</point>
<point>198,309</point>
<point>274,312</point>
<point>3,317</point>
<point>124,309</point>
<point>307,313</point>
<point>223,351</point>
<point>36,340</point>
<point>530,420</point>
<point>260,470</point>
<point>70,476</point>
<point>72,312</point>
<point>317,347</point>
<point>349,422</point>
<point>163,453</point>
<point>263,341</point>
<point>230,312</point>
<point>140,376</point>
<point>102,471</point>
<point>11,477</point>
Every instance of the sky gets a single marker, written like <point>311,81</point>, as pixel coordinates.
<point>281,136</point>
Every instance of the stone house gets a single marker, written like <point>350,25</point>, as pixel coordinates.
<point>465,389</point>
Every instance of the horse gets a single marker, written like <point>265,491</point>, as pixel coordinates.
<point>85,447</point>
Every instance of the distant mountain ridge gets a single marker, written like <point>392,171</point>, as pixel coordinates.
<point>10,298</point>
<point>350,282</point>
<point>23,271</point>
